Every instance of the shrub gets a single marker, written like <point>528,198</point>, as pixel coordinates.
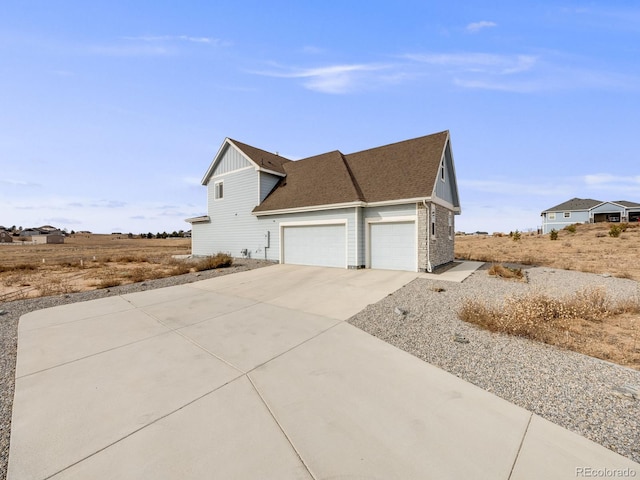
<point>219,260</point>
<point>506,272</point>
<point>553,234</point>
<point>571,228</point>
<point>515,236</point>
<point>615,231</point>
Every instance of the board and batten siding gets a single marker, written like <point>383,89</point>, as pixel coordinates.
<point>231,161</point>
<point>444,188</point>
<point>271,223</point>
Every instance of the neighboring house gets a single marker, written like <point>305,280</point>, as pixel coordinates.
<point>5,237</point>
<point>390,207</point>
<point>30,232</point>
<point>588,210</point>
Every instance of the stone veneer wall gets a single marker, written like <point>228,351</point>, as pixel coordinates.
<point>441,248</point>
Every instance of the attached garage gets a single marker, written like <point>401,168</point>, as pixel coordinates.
<point>322,245</point>
<point>392,245</point>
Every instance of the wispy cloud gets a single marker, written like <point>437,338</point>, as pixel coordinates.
<point>610,180</point>
<point>478,62</point>
<point>179,38</point>
<point>109,204</point>
<point>19,183</point>
<point>477,26</point>
<point>335,79</point>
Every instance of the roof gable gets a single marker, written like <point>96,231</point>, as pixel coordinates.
<point>403,170</point>
<point>260,159</point>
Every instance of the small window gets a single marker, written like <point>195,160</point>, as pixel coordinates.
<point>552,216</point>
<point>442,171</point>
<point>567,214</point>
<point>450,225</point>
<point>433,222</point>
<point>218,188</point>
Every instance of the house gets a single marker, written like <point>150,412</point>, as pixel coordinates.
<point>390,207</point>
<point>5,236</point>
<point>588,210</point>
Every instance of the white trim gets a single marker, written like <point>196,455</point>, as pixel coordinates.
<point>357,244</point>
<point>202,219</point>
<point>314,208</point>
<point>272,172</point>
<point>311,223</point>
<point>333,206</point>
<point>214,177</point>
<point>397,219</point>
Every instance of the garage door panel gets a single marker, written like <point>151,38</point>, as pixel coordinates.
<point>393,245</point>
<point>321,245</point>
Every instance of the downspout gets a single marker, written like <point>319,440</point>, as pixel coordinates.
<point>428,211</point>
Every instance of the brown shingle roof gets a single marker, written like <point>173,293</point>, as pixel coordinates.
<point>264,159</point>
<point>320,180</point>
<point>401,170</point>
<point>575,204</point>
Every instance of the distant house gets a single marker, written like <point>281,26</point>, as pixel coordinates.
<point>588,210</point>
<point>5,237</point>
<point>30,232</point>
<point>44,239</point>
<point>390,207</point>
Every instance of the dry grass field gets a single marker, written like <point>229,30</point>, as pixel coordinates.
<point>590,249</point>
<point>588,322</point>
<point>86,262</point>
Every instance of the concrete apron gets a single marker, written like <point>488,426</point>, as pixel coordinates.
<point>256,375</point>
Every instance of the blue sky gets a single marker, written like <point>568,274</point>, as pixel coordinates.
<point>110,112</point>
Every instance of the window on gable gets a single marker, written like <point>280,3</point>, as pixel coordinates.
<point>442,171</point>
<point>433,222</point>
<point>218,189</point>
<point>567,214</point>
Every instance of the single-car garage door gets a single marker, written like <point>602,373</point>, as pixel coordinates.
<point>393,246</point>
<point>322,245</point>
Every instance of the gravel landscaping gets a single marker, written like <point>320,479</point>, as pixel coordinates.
<point>594,398</point>
<point>588,396</point>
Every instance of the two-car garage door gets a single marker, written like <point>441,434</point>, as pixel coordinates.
<point>391,245</point>
<point>322,245</point>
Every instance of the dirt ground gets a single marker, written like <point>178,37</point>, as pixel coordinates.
<point>85,262</point>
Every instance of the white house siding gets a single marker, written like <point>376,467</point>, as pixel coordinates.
<point>231,214</point>
<point>271,223</point>
<point>267,182</point>
<point>231,160</point>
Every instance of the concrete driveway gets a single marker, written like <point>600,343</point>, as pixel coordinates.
<point>256,375</point>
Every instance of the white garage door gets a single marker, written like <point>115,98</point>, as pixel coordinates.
<point>323,245</point>
<point>393,246</point>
